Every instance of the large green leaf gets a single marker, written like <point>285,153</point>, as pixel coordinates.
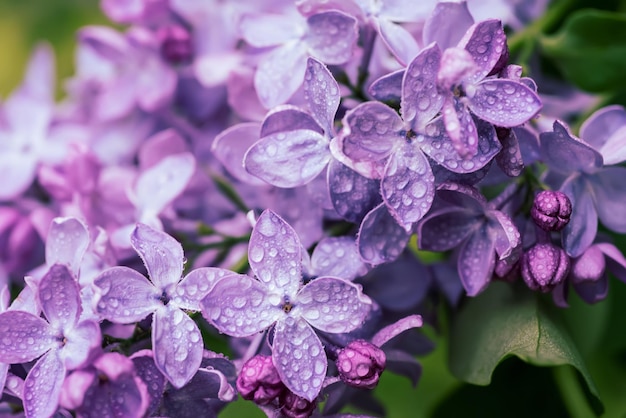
<point>501,323</point>
<point>590,49</point>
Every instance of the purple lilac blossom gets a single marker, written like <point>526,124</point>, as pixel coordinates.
<point>242,306</point>
<point>125,296</point>
<point>63,342</point>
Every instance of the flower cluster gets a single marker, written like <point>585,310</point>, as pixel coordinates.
<point>257,173</point>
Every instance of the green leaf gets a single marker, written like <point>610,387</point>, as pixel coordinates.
<point>501,323</point>
<point>590,49</point>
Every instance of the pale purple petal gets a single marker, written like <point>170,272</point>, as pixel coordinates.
<point>288,159</point>
<point>288,118</point>
<point>504,102</point>
<point>332,36</point>
<point>157,186</point>
<point>333,305</point>
<point>438,146</point>
<point>388,87</point>
<point>299,357</point>
<point>161,254</point>
<point>477,261</point>
<point>609,191</point>
<point>486,41</point>
<point>59,296</point>
<point>280,74</point>
<point>125,296</point>
<point>373,130</point>
<point>565,154</point>
<point>195,286</point>
<point>381,239</point>
<point>391,331</point>
<point>583,225</point>
<point>80,341</point>
<point>405,10</point>
<point>263,30</point>
<point>456,66</point>
<point>447,24</point>
<point>352,194</point>
<point>156,85</point>
<point>274,253</point>
<point>614,259</point>
<point>24,337</point>
<point>602,125</point>
<point>241,306</point>
<point>446,229</point>
<point>40,73</point>
<point>507,237</point>
<point>510,159</point>
<point>20,168</point>
<point>177,345</point>
<point>460,127</point>
<point>421,100</point>
<point>337,257</point>
<point>400,41</point>
<point>321,93</point>
<point>614,151</point>
<point>66,243</point>
<point>408,186</point>
<point>231,145</point>
<point>42,387</point>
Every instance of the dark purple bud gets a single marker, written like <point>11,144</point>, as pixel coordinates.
<point>176,44</point>
<point>360,364</point>
<point>544,266</point>
<point>293,406</point>
<point>551,210</point>
<point>258,380</point>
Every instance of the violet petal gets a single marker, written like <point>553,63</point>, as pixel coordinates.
<point>161,254</point>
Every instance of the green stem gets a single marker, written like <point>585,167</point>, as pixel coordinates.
<point>571,393</point>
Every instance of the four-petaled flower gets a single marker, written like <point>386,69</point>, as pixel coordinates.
<point>240,306</point>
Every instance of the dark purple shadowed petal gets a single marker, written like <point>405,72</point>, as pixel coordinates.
<point>615,260</point>
<point>583,225</point>
<point>387,88</point>
<point>162,255</point>
<point>477,260</point>
<point>446,228</point>
<point>565,154</point>
<point>125,296</point>
<point>421,100</point>
<point>510,159</point>
<point>352,194</point>
<point>153,378</point>
<point>609,190</point>
<point>274,253</point>
<point>299,357</point>
<point>504,102</point>
<point>333,305</point>
<point>241,306</point>
<point>485,41</point>
<point>408,186</point>
<point>381,239</point>
<point>332,36</point>
<point>507,237</point>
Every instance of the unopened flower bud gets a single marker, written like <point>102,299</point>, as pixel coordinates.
<point>293,406</point>
<point>176,46</point>
<point>258,380</point>
<point>589,267</point>
<point>551,210</point>
<point>360,364</point>
<point>544,266</point>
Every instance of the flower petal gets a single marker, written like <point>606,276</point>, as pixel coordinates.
<point>510,159</point>
<point>400,41</point>
<point>24,337</point>
<point>263,30</point>
<point>421,100</point>
<point>388,88</point>
<point>601,126</point>
<point>231,145</point>
<point>486,42</point>
<point>610,197</point>
<point>390,331</point>
<point>352,194</point>
<point>240,306</point>
<point>337,257</point>
<point>565,154</point>
<point>504,102</point>
<point>288,159</point>
<point>280,74</point>
<point>381,239</point>
<point>275,254</point>
<point>161,254</point>
<point>80,341</point>
<point>447,24</point>
<point>446,228</point>
<point>195,286</point>
<point>125,296</point>
<point>66,243</point>
<point>477,260</point>
<point>583,225</point>
<point>299,357</point>
<point>321,92</point>
<point>59,296</point>
<point>460,127</point>
<point>332,36</point>
<point>177,345</point>
<point>333,305</point>
<point>42,387</point>
<point>287,117</point>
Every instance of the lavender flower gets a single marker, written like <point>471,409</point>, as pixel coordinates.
<point>126,296</point>
<point>242,306</point>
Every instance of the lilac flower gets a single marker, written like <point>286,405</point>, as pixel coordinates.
<point>63,341</point>
<point>108,387</point>
<point>241,306</point>
<point>126,296</point>
<point>464,219</point>
<point>594,189</point>
<point>329,36</point>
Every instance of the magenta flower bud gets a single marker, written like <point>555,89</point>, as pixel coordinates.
<point>176,46</point>
<point>551,210</point>
<point>258,380</point>
<point>294,406</point>
<point>360,364</point>
<point>544,266</point>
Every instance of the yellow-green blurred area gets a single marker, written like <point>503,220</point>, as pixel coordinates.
<point>23,23</point>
